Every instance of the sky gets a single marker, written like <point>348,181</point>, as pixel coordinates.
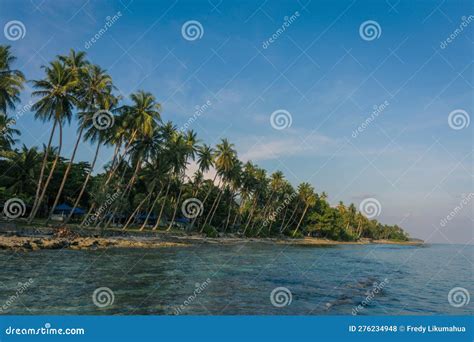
<point>297,86</point>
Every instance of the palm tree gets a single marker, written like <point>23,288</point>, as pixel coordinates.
<point>108,103</point>
<point>56,102</point>
<point>306,193</point>
<point>11,80</point>
<point>20,177</point>
<point>95,84</point>
<point>184,147</point>
<point>143,116</point>
<point>235,182</point>
<point>225,160</point>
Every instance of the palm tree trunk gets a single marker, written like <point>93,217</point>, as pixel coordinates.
<point>87,215</point>
<point>251,213</point>
<point>125,192</point>
<point>43,166</point>
<point>132,138</point>
<point>210,211</point>
<point>151,210</point>
<point>33,214</point>
<point>83,188</point>
<point>204,201</point>
<point>135,211</point>
<point>162,206</point>
<point>175,208</point>
<point>66,173</point>
<point>290,219</point>
<point>228,213</point>
<point>284,217</point>
<point>216,207</point>
<point>301,219</point>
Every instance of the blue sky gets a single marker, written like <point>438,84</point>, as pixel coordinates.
<point>319,69</point>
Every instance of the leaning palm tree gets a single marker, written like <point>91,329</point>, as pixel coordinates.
<point>11,80</point>
<point>306,193</point>
<point>225,160</point>
<point>143,117</point>
<point>56,92</point>
<point>94,85</point>
<point>93,134</point>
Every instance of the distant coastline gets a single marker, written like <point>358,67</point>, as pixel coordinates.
<point>37,238</point>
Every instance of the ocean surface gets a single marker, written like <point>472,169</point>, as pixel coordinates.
<point>246,279</point>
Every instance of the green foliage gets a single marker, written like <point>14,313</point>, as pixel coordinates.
<point>148,171</point>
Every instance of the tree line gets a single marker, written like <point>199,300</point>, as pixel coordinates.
<point>145,184</point>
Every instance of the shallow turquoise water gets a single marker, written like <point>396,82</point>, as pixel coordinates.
<point>322,280</point>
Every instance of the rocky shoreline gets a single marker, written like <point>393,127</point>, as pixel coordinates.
<point>32,243</point>
<point>22,243</point>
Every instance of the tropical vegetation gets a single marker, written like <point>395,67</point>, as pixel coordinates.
<point>146,184</point>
